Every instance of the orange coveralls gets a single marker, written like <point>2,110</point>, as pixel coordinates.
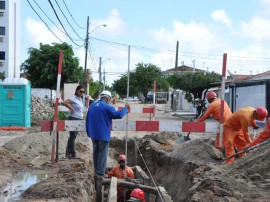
<point>119,173</point>
<point>214,110</point>
<point>236,131</point>
<point>264,135</point>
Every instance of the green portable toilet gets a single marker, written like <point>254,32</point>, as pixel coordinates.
<point>15,102</point>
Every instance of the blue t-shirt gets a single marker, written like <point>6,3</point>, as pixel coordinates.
<point>99,119</point>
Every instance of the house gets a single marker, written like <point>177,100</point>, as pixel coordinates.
<point>248,90</point>
<point>177,96</point>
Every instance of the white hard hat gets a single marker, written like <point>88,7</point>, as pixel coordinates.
<point>105,93</point>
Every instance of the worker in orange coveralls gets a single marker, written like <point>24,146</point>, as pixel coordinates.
<point>214,110</point>
<point>137,195</point>
<point>263,136</point>
<point>236,129</point>
<point>119,172</point>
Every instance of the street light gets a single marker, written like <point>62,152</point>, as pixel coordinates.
<point>86,50</point>
<point>104,25</point>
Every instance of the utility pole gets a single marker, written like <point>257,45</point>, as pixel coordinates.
<point>193,61</point>
<point>103,78</point>
<point>99,71</point>
<point>85,59</point>
<point>176,57</point>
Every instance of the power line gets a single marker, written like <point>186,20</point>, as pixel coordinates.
<point>185,54</point>
<point>62,24</point>
<point>93,60</point>
<point>52,20</point>
<point>44,22</point>
<point>72,16</point>
<point>68,21</point>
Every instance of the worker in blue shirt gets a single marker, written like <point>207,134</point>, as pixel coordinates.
<point>98,128</point>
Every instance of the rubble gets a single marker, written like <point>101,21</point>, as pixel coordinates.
<point>41,110</point>
<point>189,171</point>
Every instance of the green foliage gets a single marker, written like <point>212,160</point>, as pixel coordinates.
<point>61,115</point>
<point>94,89</point>
<point>141,80</point>
<point>193,83</point>
<point>120,86</point>
<point>2,75</point>
<point>41,68</point>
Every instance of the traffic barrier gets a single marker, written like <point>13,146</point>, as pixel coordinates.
<point>142,110</point>
<point>13,128</point>
<point>153,126</point>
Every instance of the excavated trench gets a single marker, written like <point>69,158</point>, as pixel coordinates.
<point>193,171</point>
<point>171,173</point>
<point>188,171</point>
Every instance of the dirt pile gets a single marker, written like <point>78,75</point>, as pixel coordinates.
<point>189,171</point>
<point>41,110</point>
<point>69,179</point>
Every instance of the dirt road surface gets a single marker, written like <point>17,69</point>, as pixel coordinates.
<point>189,171</point>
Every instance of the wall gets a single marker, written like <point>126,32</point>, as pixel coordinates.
<point>69,90</point>
<point>253,96</point>
<point>43,93</point>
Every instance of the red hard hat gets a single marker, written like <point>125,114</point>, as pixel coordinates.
<point>261,113</point>
<point>138,193</point>
<point>210,95</point>
<point>122,157</point>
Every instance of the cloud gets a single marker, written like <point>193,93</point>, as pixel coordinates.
<point>257,29</point>
<point>196,41</point>
<point>114,23</point>
<point>38,32</point>
<point>265,2</point>
<point>193,38</point>
<point>221,16</point>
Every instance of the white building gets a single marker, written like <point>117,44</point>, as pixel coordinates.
<point>10,38</point>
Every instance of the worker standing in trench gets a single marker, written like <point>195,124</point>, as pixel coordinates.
<point>236,129</point>
<point>214,110</point>
<point>119,172</point>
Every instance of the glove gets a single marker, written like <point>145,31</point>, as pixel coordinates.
<point>246,148</point>
<point>256,127</point>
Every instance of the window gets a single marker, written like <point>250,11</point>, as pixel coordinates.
<point>2,55</point>
<point>2,5</point>
<point>2,31</point>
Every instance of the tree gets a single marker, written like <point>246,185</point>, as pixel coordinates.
<point>141,80</point>
<point>120,86</point>
<point>41,68</point>
<point>193,83</point>
<point>144,77</point>
<point>2,75</point>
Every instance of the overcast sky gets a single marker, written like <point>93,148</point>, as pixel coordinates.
<point>205,30</point>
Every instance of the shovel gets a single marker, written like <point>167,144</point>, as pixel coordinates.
<point>247,149</point>
<point>183,138</point>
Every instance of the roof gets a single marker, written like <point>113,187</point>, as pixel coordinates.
<point>183,68</point>
<point>15,81</point>
<point>242,77</point>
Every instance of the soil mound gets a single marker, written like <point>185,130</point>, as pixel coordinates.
<point>190,172</point>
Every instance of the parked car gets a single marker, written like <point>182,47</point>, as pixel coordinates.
<point>149,99</point>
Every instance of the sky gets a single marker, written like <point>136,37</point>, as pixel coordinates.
<point>147,32</point>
